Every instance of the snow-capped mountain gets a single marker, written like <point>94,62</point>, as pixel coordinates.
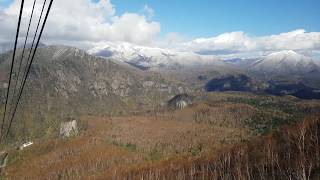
<point>285,63</point>
<point>152,57</point>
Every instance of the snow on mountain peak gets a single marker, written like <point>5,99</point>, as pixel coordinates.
<point>152,57</point>
<point>285,61</point>
<point>286,54</point>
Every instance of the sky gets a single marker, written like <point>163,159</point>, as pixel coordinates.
<point>201,26</point>
<point>204,18</point>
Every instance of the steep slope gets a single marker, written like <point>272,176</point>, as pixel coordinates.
<point>66,81</point>
<point>287,66</point>
<point>285,63</point>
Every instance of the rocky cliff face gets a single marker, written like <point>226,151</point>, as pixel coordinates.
<point>66,81</point>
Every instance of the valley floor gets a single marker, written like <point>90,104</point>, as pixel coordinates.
<point>157,143</point>
<point>109,144</point>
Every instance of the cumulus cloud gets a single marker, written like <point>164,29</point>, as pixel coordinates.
<point>228,41</point>
<point>82,21</point>
<point>240,42</point>
<point>294,40</point>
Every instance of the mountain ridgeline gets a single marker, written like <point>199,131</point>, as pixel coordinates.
<point>279,73</point>
<point>65,82</point>
<point>84,116</point>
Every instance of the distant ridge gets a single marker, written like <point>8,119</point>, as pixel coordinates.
<point>285,62</point>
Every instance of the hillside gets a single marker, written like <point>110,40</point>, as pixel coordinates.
<point>198,70</point>
<point>285,63</point>
<point>166,144</point>
<point>116,104</point>
<point>65,82</point>
<point>159,90</point>
<point>292,153</point>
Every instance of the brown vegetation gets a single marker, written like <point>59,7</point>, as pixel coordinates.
<point>292,153</point>
<point>110,144</point>
<point>212,139</point>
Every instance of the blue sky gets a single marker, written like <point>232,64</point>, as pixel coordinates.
<point>204,18</point>
<point>4,3</point>
<point>244,26</point>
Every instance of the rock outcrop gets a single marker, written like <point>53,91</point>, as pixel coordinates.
<point>3,159</point>
<point>180,101</point>
<point>68,129</point>
<point>66,81</point>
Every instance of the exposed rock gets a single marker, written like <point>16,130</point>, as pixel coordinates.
<point>148,84</point>
<point>180,101</point>
<point>68,129</point>
<point>24,145</point>
<point>66,80</point>
<point>76,80</point>
<point>99,87</point>
<point>3,159</point>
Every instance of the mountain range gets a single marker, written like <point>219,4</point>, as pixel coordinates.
<point>286,63</point>
<point>153,58</point>
<point>122,78</point>
<point>150,58</point>
<point>65,82</point>
<point>286,66</point>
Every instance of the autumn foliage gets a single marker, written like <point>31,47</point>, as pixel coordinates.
<point>293,152</point>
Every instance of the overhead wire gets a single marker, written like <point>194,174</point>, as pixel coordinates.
<point>11,68</point>
<point>34,37</point>
<point>33,41</point>
<point>22,54</point>
<point>29,67</point>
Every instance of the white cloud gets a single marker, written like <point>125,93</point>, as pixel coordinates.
<point>227,41</point>
<point>82,21</point>
<point>294,40</point>
<point>299,40</point>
